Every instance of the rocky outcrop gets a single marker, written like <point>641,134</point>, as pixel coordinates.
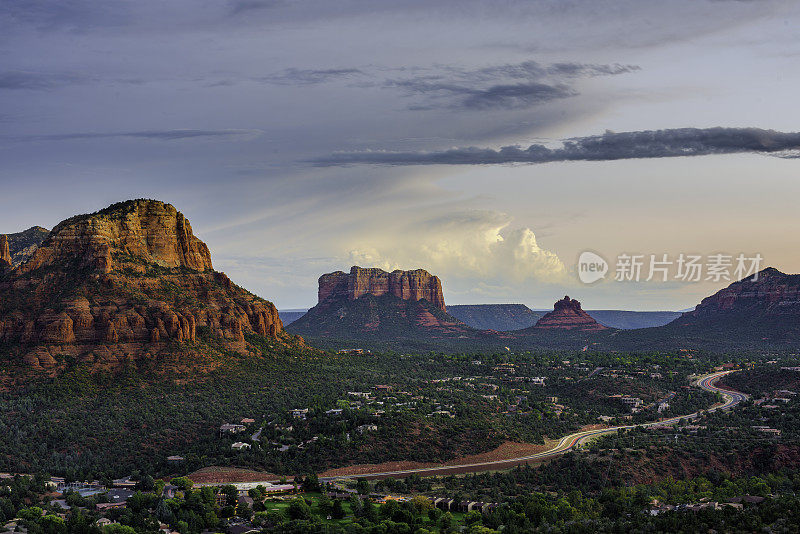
<point>406,285</point>
<point>376,305</point>
<point>148,230</point>
<point>132,277</point>
<point>770,294</point>
<point>23,244</point>
<point>567,314</point>
<point>5,253</point>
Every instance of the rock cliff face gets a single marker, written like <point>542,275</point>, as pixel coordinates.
<point>152,231</point>
<point>406,285</point>
<point>760,314</point>
<point>772,295</point>
<point>24,244</point>
<point>123,283</point>
<point>374,304</point>
<point>567,314</point>
<point>5,253</point>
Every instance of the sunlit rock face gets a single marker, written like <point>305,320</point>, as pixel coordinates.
<point>124,282</point>
<point>415,285</point>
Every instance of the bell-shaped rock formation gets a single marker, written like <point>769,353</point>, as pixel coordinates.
<point>567,314</point>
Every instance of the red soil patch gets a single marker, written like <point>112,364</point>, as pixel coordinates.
<point>507,450</point>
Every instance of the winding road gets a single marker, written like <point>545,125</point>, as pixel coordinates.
<point>567,443</point>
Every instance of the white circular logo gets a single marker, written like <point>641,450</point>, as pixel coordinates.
<point>591,267</point>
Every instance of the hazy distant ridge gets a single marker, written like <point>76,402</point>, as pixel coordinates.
<point>507,317</point>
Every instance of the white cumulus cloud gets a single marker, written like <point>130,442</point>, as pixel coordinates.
<point>464,248</point>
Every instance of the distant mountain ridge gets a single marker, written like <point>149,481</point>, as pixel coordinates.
<point>290,316</point>
<point>500,317</point>
<point>753,313</point>
<point>510,317</point>
<point>629,320</point>
<point>23,244</point>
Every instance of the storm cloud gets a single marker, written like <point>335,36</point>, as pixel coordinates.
<point>607,147</point>
<point>506,86</point>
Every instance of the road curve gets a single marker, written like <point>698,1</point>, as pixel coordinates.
<point>707,382</point>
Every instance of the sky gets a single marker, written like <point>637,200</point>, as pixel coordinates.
<point>490,143</point>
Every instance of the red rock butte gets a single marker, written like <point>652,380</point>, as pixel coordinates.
<point>567,314</point>
<point>771,294</point>
<point>123,283</point>
<point>413,285</point>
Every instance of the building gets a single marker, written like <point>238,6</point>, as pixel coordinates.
<point>631,402</point>
<point>366,428</point>
<point>300,413</point>
<point>232,428</point>
<point>243,487</point>
<point>238,446</point>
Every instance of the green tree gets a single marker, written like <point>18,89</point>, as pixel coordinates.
<point>362,486</point>
<point>446,521</point>
<point>472,517</point>
<point>231,493</point>
<point>325,505</point>
<point>182,483</point>
<point>337,512</point>
<point>299,509</point>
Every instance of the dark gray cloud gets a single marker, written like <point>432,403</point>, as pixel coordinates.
<point>72,15</point>
<point>514,96</point>
<point>506,96</point>
<point>507,86</point>
<point>606,147</point>
<point>44,81</point>
<point>163,135</point>
<point>25,80</point>
<point>531,70</point>
<point>309,76</point>
<point>242,6</point>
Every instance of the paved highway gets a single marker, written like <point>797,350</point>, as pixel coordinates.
<point>707,382</point>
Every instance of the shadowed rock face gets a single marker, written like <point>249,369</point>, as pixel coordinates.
<point>23,244</point>
<point>773,295</point>
<point>122,283</point>
<point>568,314</point>
<point>406,285</point>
